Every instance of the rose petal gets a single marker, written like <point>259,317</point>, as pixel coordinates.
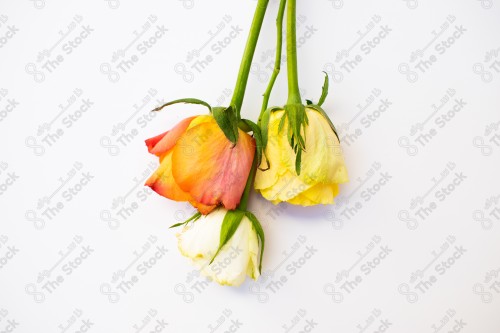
<point>163,183</point>
<point>162,143</point>
<point>209,167</point>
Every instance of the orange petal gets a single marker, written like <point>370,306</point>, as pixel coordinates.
<point>208,166</point>
<point>204,209</point>
<point>164,142</point>
<point>163,183</point>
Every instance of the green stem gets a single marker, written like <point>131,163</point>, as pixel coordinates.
<point>246,193</point>
<point>246,61</point>
<point>291,54</point>
<point>277,61</point>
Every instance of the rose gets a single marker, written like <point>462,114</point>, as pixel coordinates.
<point>238,257</point>
<point>322,165</point>
<point>200,165</point>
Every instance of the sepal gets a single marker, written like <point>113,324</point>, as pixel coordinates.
<point>258,138</point>
<point>227,120</point>
<point>230,224</point>
<point>260,233</point>
<point>193,218</point>
<point>186,101</point>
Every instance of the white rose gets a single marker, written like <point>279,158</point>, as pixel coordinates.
<point>199,241</point>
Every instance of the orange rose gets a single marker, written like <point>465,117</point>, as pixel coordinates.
<point>200,165</point>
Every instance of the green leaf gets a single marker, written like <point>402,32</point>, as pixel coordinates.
<point>282,121</point>
<point>260,233</point>
<point>324,91</point>
<point>243,126</point>
<point>227,120</point>
<point>258,138</point>
<point>192,218</point>
<point>230,224</point>
<point>185,100</point>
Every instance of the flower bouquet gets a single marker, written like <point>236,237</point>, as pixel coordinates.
<point>214,160</point>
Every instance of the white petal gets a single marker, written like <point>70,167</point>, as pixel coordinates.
<point>201,238</point>
<point>237,258</point>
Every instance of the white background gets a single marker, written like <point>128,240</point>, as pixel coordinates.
<point>43,229</point>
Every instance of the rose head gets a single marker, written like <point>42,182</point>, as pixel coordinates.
<point>200,165</point>
<point>237,258</point>
<point>322,164</point>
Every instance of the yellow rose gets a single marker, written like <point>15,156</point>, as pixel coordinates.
<point>200,240</point>
<point>322,164</point>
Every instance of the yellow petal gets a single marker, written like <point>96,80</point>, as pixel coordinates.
<point>322,161</point>
<point>199,120</point>
<point>322,166</point>
<point>267,178</point>
<point>286,187</point>
<point>318,194</point>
